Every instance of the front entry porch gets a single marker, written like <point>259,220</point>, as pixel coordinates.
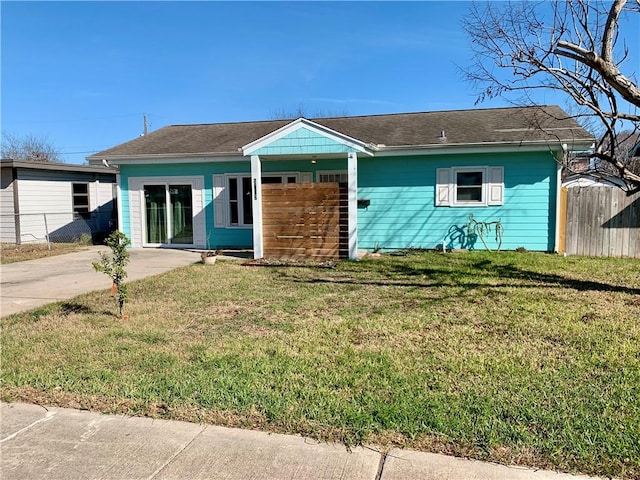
<point>294,220</point>
<point>304,139</point>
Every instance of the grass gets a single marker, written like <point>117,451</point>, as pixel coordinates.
<point>10,252</point>
<point>516,358</point>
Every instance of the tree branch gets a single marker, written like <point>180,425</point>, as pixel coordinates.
<point>608,70</point>
<point>610,28</point>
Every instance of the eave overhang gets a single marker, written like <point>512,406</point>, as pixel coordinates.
<point>204,157</point>
<point>63,167</point>
<point>486,147</point>
<point>377,151</point>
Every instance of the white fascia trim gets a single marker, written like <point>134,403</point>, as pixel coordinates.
<point>472,148</point>
<point>314,127</point>
<point>66,167</point>
<point>171,158</point>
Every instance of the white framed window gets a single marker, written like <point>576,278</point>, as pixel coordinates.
<point>469,186</point>
<point>339,176</point>
<point>232,197</point>
<point>80,199</point>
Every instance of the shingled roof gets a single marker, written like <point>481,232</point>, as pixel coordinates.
<point>462,127</point>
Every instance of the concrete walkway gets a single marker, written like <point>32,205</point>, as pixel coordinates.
<point>30,284</point>
<point>58,443</point>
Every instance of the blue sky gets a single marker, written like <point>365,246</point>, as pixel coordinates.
<point>82,74</point>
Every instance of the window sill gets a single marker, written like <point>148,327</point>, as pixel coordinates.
<point>469,204</point>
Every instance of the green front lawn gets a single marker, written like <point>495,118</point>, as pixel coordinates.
<point>518,358</point>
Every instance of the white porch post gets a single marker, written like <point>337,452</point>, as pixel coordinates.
<point>352,178</point>
<point>256,200</point>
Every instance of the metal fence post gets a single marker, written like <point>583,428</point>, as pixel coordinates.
<point>46,231</point>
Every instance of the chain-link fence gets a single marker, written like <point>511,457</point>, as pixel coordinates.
<point>58,227</point>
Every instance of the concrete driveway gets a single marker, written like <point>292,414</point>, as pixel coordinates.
<point>26,285</point>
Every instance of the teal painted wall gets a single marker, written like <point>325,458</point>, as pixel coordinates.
<point>219,237</point>
<point>403,214</point>
<point>303,141</point>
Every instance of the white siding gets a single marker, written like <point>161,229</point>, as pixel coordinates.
<point>50,192</point>
<point>44,192</point>
<point>103,200</point>
<point>7,220</point>
<point>105,195</point>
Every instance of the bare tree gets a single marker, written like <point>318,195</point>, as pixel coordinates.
<point>628,143</point>
<point>28,149</point>
<point>574,47</point>
<point>302,111</point>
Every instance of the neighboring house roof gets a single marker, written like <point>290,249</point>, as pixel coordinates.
<point>590,180</point>
<point>461,127</point>
<point>66,167</point>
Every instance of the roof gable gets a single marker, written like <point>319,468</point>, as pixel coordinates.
<point>303,136</point>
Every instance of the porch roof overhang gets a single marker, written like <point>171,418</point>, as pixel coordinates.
<point>304,137</point>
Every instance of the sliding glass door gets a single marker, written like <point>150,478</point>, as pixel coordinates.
<point>168,214</point>
<point>181,215</point>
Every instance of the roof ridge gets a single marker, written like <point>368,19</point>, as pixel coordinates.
<point>463,110</point>
<point>228,123</point>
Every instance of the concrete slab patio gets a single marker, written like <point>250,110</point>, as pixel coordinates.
<point>58,443</point>
<point>26,285</point>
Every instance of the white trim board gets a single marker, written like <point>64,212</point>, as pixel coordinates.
<point>136,215</point>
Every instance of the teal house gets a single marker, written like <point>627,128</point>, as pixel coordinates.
<point>407,180</point>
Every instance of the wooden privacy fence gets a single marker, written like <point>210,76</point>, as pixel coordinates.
<point>305,220</point>
<point>599,222</point>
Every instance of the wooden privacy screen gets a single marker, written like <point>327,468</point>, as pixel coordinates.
<point>305,220</point>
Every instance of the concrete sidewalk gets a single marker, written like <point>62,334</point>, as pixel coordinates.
<point>58,443</point>
<point>26,285</point>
